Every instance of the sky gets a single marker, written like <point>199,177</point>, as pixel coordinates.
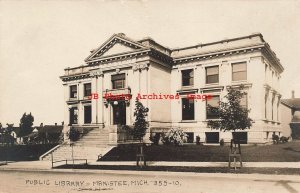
<point>39,39</point>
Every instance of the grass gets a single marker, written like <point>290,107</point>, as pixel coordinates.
<point>287,152</point>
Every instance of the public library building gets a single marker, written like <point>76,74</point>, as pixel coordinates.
<point>127,68</point>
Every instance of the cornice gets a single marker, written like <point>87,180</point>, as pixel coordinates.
<point>216,54</point>
<point>161,57</point>
<point>75,76</point>
<point>117,57</point>
<point>271,56</point>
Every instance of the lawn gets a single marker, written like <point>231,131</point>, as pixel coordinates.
<point>287,152</point>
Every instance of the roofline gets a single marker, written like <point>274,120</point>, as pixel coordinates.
<point>217,52</point>
<point>284,103</point>
<point>120,36</point>
<point>153,41</point>
<point>220,41</point>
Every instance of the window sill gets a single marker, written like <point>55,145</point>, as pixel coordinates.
<point>188,121</point>
<point>206,120</point>
<point>239,81</point>
<point>271,121</point>
<point>187,87</point>
<point>211,84</point>
<point>86,98</point>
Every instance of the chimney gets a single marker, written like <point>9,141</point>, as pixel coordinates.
<point>293,94</point>
<point>41,124</point>
<point>55,124</point>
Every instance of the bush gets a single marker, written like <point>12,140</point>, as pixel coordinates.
<point>198,140</point>
<point>284,139</point>
<point>174,136</point>
<point>275,139</point>
<point>222,142</point>
<point>73,134</point>
<point>155,138</point>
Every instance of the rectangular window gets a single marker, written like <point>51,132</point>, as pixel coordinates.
<point>212,137</point>
<point>87,89</point>
<point>118,81</point>
<point>211,106</point>
<point>212,74</point>
<point>73,91</point>
<point>73,115</point>
<point>242,137</point>
<point>239,71</point>
<point>188,109</point>
<point>87,114</point>
<point>187,77</point>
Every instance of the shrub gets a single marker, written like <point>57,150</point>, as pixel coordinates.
<point>222,142</point>
<point>155,138</point>
<point>275,139</point>
<point>284,139</point>
<point>198,140</point>
<point>174,136</point>
<point>73,134</point>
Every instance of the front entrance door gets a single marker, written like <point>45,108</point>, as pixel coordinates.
<point>119,113</point>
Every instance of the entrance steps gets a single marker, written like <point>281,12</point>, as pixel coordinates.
<point>89,147</point>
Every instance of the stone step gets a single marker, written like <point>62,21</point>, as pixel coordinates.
<point>94,139</point>
<point>104,141</point>
<point>92,144</point>
<point>97,132</point>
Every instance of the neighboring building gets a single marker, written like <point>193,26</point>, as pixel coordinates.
<point>16,135</point>
<point>291,116</point>
<point>48,133</point>
<point>125,66</point>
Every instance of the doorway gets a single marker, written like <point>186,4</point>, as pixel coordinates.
<point>119,112</point>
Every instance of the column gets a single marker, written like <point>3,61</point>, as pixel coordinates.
<point>278,108</point>
<point>80,106</point>
<point>100,105</point>
<point>97,104</point>
<point>94,101</point>
<point>275,107</point>
<point>66,111</point>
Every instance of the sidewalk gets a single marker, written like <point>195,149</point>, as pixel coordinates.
<point>46,165</point>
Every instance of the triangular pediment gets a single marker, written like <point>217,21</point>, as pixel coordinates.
<point>115,45</point>
<point>117,48</point>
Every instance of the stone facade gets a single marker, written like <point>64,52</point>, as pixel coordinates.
<point>125,66</point>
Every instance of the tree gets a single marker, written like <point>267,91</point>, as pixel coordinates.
<point>26,123</point>
<point>140,125</point>
<point>5,134</point>
<point>232,115</point>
